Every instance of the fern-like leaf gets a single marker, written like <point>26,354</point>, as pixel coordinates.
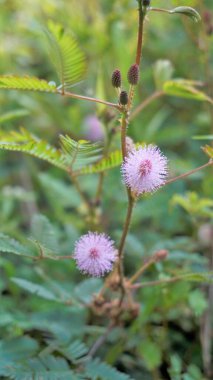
<point>97,370</point>
<point>10,245</point>
<point>26,142</point>
<point>66,55</point>
<point>80,152</point>
<point>45,368</point>
<point>13,82</point>
<point>113,160</point>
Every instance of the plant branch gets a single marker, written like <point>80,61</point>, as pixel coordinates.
<point>95,100</point>
<point>189,173</point>
<point>145,103</point>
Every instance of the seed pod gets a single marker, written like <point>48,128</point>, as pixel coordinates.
<point>116,78</point>
<point>133,75</point>
<point>123,98</point>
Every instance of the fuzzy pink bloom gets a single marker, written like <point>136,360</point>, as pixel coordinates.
<point>95,254</point>
<point>144,169</point>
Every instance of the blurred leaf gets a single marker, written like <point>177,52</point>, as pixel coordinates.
<point>26,142</point>
<point>187,11</point>
<point>113,160</point>
<point>17,349</point>
<point>66,55</point>
<point>36,289</point>
<point>80,153</point>
<point>74,351</point>
<point>44,233</point>
<point>203,137</point>
<point>45,368</point>
<point>151,354</point>
<point>163,71</point>
<point>208,150</point>
<point>198,302</point>
<point>87,288</point>
<point>13,82</point>
<point>11,115</point>
<point>200,207</point>
<point>8,244</point>
<point>184,89</point>
<point>96,370</point>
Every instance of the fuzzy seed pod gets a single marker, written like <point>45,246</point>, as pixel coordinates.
<point>116,78</point>
<point>133,75</point>
<point>146,3</point>
<point>123,98</point>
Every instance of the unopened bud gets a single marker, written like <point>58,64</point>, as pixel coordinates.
<point>133,75</point>
<point>146,3</point>
<point>116,78</point>
<point>161,255</point>
<point>123,98</point>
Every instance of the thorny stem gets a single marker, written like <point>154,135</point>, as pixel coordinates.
<point>157,282</point>
<point>189,173</point>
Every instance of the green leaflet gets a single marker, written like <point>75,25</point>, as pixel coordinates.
<point>80,153</point>
<point>15,82</point>
<point>67,57</point>
<point>100,370</point>
<point>45,368</point>
<point>184,89</point>
<point>113,160</point>
<point>10,245</point>
<point>26,142</point>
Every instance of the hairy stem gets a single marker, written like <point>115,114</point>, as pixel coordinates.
<point>144,267</point>
<point>81,97</point>
<point>145,103</point>
<point>189,173</point>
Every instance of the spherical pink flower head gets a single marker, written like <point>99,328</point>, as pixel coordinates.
<point>95,254</point>
<point>145,169</point>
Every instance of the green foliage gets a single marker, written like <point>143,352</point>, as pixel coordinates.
<point>45,368</point>
<point>66,55</point>
<point>8,244</point>
<point>27,142</point>
<point>208,150</point>
<point>27,83</point>
<point>194,205</point>
<point>80,153</point>
<point>98,370</point>
<point>187,11</point>
<point>113,160</point>
<point>36,289</point>
<point>184,89</point>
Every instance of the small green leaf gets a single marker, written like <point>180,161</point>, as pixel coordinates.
<point>187,11</point>
<point>36,289</point>
<point>151,354</point>
<point>96,370</point>
<point>184,89</point>
<point>198,302</point>
<point>14,82</point>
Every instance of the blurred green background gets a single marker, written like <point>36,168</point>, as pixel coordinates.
<point>171,337</point>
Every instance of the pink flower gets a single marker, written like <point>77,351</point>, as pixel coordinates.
<point>93,128</point>
<point>95,254</point>
<point>145,169</point>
